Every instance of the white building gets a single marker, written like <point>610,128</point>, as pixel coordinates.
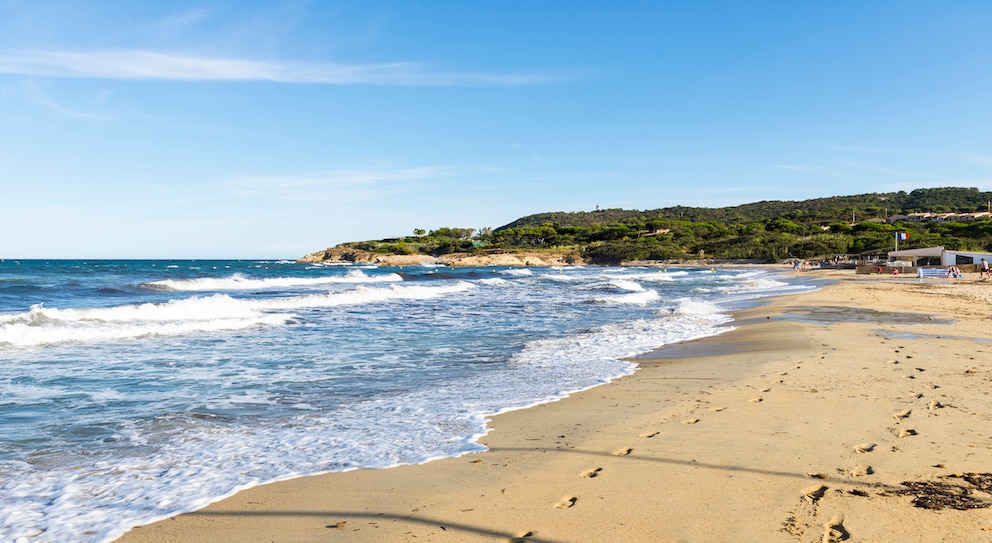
<point>947,258</point>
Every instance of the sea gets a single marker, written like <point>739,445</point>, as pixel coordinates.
<point>134,390</point>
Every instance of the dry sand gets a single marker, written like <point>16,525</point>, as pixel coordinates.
<point>802,425</point>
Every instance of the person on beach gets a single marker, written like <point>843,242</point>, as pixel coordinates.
<point>984,275</point>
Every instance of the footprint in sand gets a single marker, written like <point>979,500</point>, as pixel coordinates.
<point>649,434</point>
<point>902,414</point>
<point>590,473</point>
<point>717,409</point>
<point>934,405</point>
<point>906,432</point>
<point>814,493</point>
<point>565,503</point>
<point>623,452</point>
<point>690,421</point>
<point>856,471</point>
<point>834,530</point>
<point>759,399</point>
<point>864,448</point>
<point>521,537</point>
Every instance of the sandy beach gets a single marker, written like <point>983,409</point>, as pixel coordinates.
<point>856,412</point>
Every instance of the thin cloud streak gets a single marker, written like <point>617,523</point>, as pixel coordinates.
<point>150,65</point>
<point>341,184</point>
<point>35,94</point>
<point>342,177</point>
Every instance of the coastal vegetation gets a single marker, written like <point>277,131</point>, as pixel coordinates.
<point>822,228</point>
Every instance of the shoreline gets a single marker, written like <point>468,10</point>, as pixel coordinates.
<point>783,429</point>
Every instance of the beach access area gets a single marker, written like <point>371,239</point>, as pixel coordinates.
<point>857,412</point>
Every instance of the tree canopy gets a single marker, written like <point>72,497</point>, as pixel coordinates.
<point>767,230</point>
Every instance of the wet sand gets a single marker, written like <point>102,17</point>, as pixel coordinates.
<point>828,416</point>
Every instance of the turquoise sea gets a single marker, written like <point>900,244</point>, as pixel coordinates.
<point>133,390</point>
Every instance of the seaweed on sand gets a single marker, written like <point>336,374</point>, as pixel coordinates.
<point>938,495</point>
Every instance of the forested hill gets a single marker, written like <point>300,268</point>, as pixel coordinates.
<point>770,230</point>
<point>836,208</point>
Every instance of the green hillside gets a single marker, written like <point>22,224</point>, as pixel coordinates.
<point>768,230</point>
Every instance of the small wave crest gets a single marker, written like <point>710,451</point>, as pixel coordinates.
<point>626,284</point>
<point>240,282</point>
<point>757,285</point>
<point>642,297</point>
<point>219,312</point>
<point>44,326</point>
<point>493,282</point>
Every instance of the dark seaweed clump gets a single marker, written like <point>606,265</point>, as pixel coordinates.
<point>938,495</point>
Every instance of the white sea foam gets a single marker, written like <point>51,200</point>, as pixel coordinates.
<point>493,282</point>
<point>239,281</point>
<point>642,297</point>
<point>688,306</point>
<point>517,272</point>
<point>758,284</point>
<point>561,277</point>
<point>626,284</point>
<point>219,312</point>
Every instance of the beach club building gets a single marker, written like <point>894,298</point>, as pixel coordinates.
<point>932,254</point>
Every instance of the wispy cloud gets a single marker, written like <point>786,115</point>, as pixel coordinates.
<point>793,168</point>
<point>141,114</point>
<point>345,176</point>
<point>184,19</point>
<point>882,170</point>
<point>151,65</point>
<point>977,159</point>
<point>841,147</point>
<point>37,95</point>
<point>860,149</point>
<point>339,182</point>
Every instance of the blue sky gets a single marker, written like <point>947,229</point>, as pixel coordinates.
<point>239,129</point>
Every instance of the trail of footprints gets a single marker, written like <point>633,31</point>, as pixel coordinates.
<point>802,520</point>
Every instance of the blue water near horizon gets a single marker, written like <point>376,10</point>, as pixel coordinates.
<point>134,390</point>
